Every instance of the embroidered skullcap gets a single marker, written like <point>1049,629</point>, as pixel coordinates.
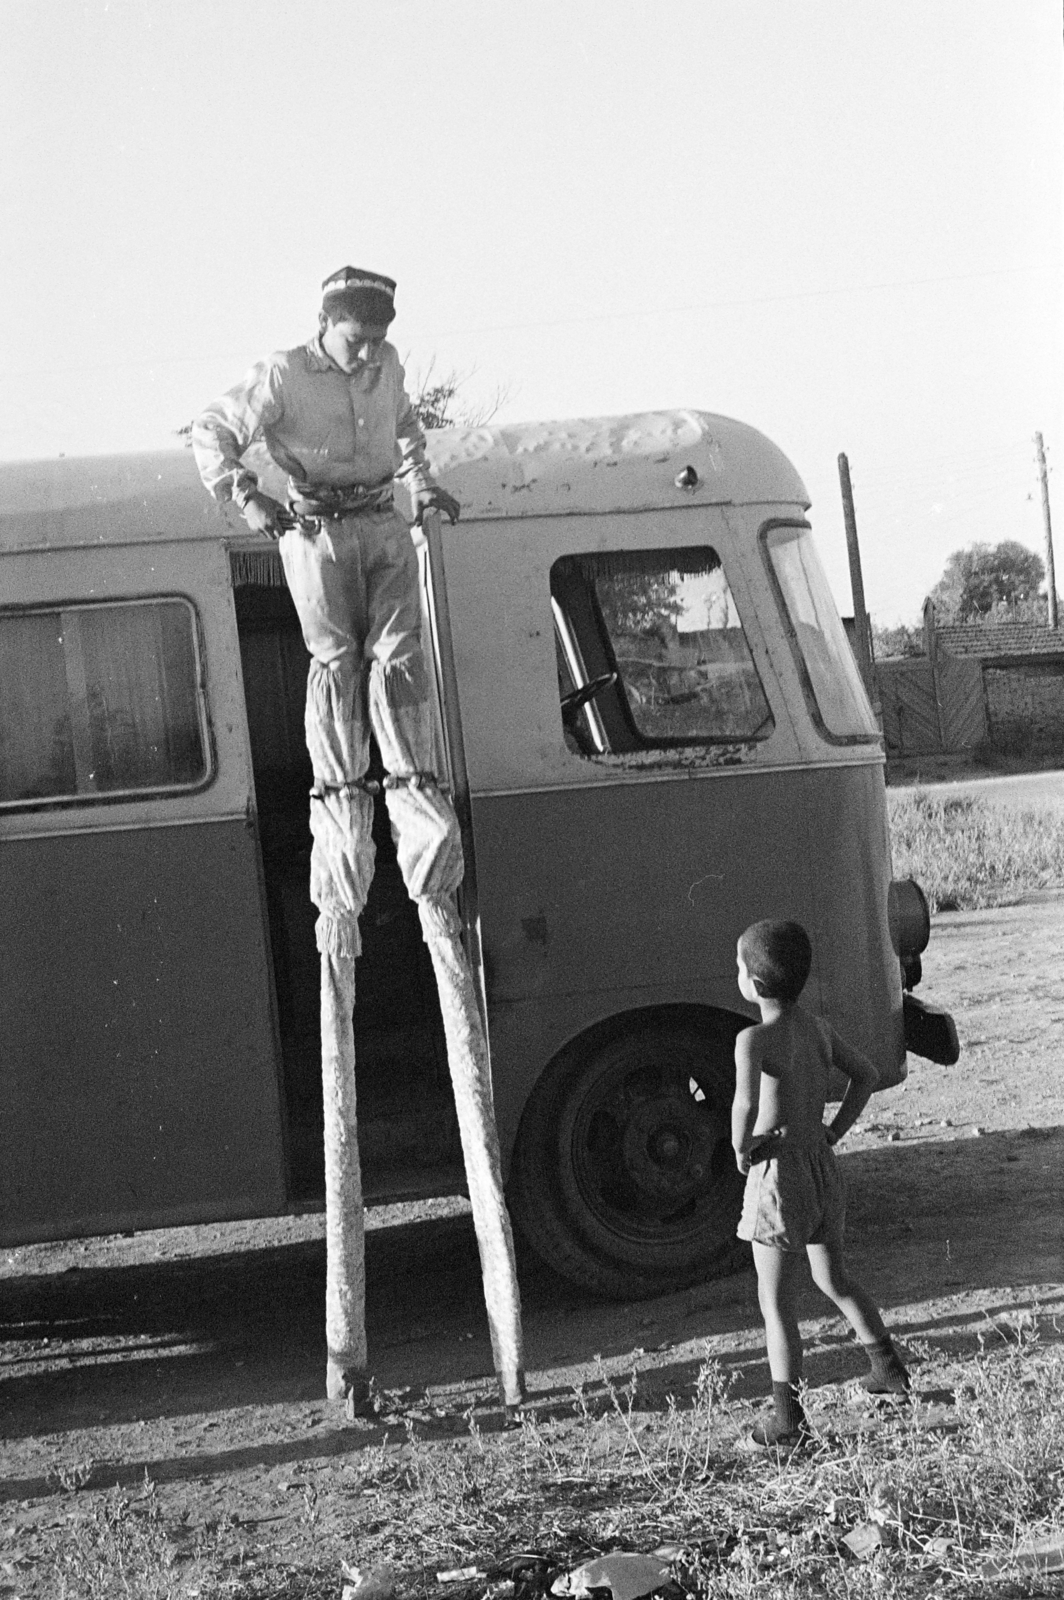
<point>369,295</point>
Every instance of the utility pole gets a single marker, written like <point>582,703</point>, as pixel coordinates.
<point>860,614</point>
<point>1051,577</point>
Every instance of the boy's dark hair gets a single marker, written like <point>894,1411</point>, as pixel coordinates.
<point>778,956</point>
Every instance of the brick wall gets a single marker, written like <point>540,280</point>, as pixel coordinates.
<point>1025,705</point>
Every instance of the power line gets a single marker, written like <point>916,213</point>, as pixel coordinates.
<point>950,477</point>
<point>998,483</point>
<point>569,322</point>
<point>974,501</point>
<point>756,300</point>
<point>975,453</point>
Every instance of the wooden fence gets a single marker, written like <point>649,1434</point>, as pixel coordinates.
<point>931,705</point>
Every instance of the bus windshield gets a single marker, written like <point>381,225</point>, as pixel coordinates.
<point>838,693</point>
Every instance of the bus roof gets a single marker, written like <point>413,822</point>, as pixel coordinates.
<point>628,463</point>
<point>533,469</point>
<point>89,500</point>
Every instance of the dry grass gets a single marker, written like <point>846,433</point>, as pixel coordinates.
<point>944,1493</point>
<point>965,853</point>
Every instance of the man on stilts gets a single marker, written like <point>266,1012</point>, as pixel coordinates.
<point>335,416</point>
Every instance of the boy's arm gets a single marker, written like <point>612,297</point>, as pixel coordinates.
<point>747,1094</point>
<point>863,1079</point>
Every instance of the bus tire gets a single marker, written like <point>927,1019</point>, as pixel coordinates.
<point>623,1177</point>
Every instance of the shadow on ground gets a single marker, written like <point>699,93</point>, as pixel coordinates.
<point>930,1223</point>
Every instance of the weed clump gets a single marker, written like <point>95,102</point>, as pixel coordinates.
<point>966,854</point>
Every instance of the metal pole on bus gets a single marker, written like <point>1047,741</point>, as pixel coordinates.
<point>860,615</point>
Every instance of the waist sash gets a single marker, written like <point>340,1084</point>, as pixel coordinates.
<point>775,1141</point>
<point>331,503</point>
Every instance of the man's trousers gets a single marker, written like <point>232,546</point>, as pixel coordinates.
<point>354,582</point>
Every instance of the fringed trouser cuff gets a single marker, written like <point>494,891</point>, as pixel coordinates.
<point>341,865</point>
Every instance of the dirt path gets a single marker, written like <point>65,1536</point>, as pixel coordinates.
<point>197,1354</point>
<point>1020,791</point>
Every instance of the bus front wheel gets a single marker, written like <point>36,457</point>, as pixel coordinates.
<point>623,1176</point>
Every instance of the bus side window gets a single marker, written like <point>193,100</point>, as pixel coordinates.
<point>659,648</point>
<point>101,700</point>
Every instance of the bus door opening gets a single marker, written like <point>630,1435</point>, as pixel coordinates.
<point>407,1130</point>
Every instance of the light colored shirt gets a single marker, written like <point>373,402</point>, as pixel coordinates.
<point>320,425</point>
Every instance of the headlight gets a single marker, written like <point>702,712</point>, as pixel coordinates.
<point>908,918</point>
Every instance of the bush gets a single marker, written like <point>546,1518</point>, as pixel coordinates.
<point>965,853</point>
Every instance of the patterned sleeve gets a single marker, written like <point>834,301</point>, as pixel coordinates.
<point>225,429</point>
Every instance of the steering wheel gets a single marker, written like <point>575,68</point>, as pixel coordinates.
<point>576,698</point>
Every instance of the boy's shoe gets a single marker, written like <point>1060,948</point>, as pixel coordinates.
<point>787,1429</point>
<point>886,1389</point>
<point>771,1435</point>
<point>888,1375</point>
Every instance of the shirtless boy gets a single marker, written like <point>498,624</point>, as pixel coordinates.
<point>795,1202</point>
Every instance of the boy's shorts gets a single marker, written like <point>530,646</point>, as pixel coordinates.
<point>794,1197</point>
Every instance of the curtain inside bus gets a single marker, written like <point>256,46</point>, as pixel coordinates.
<point>100,700</point>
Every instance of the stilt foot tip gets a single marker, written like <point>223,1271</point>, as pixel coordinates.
<point>354,1386</point>
<point>360,1398</point>
<point>512,1390</point>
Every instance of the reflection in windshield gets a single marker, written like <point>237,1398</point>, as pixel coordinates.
<point>684,661</point>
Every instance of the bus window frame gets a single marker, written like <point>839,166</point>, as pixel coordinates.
<point>569,644</point>
<point>808,692</point>
<point>70,802</point>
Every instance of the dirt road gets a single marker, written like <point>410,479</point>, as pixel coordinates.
<point>197,1356</point>
<point>1020,791</point>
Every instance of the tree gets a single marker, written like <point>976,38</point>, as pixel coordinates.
<point>639,604</point>
<point>436,402</point>
<point>901,640</point>
<point>985,578</point>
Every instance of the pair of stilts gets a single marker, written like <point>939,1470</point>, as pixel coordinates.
<point>356,590</point>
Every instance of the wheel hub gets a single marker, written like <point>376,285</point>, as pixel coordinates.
<point>667,1148</point>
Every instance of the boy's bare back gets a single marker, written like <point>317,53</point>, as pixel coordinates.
<point>783,1063</point>
<point>786,1064</point>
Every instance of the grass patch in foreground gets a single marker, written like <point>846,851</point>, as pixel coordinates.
<point>944,1493</point>
<point>965,853</point>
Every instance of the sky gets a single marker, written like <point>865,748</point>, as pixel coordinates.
<point>836,220</point>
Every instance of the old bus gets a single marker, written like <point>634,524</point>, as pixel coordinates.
<point>655,733</point>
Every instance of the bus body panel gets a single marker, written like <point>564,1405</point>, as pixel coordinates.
<point>860,972</point>
<point>138,1086</point>
<point>139,1064</point>
<point>573,933</point>
<point>498,586</point>
<point>605,883</point>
